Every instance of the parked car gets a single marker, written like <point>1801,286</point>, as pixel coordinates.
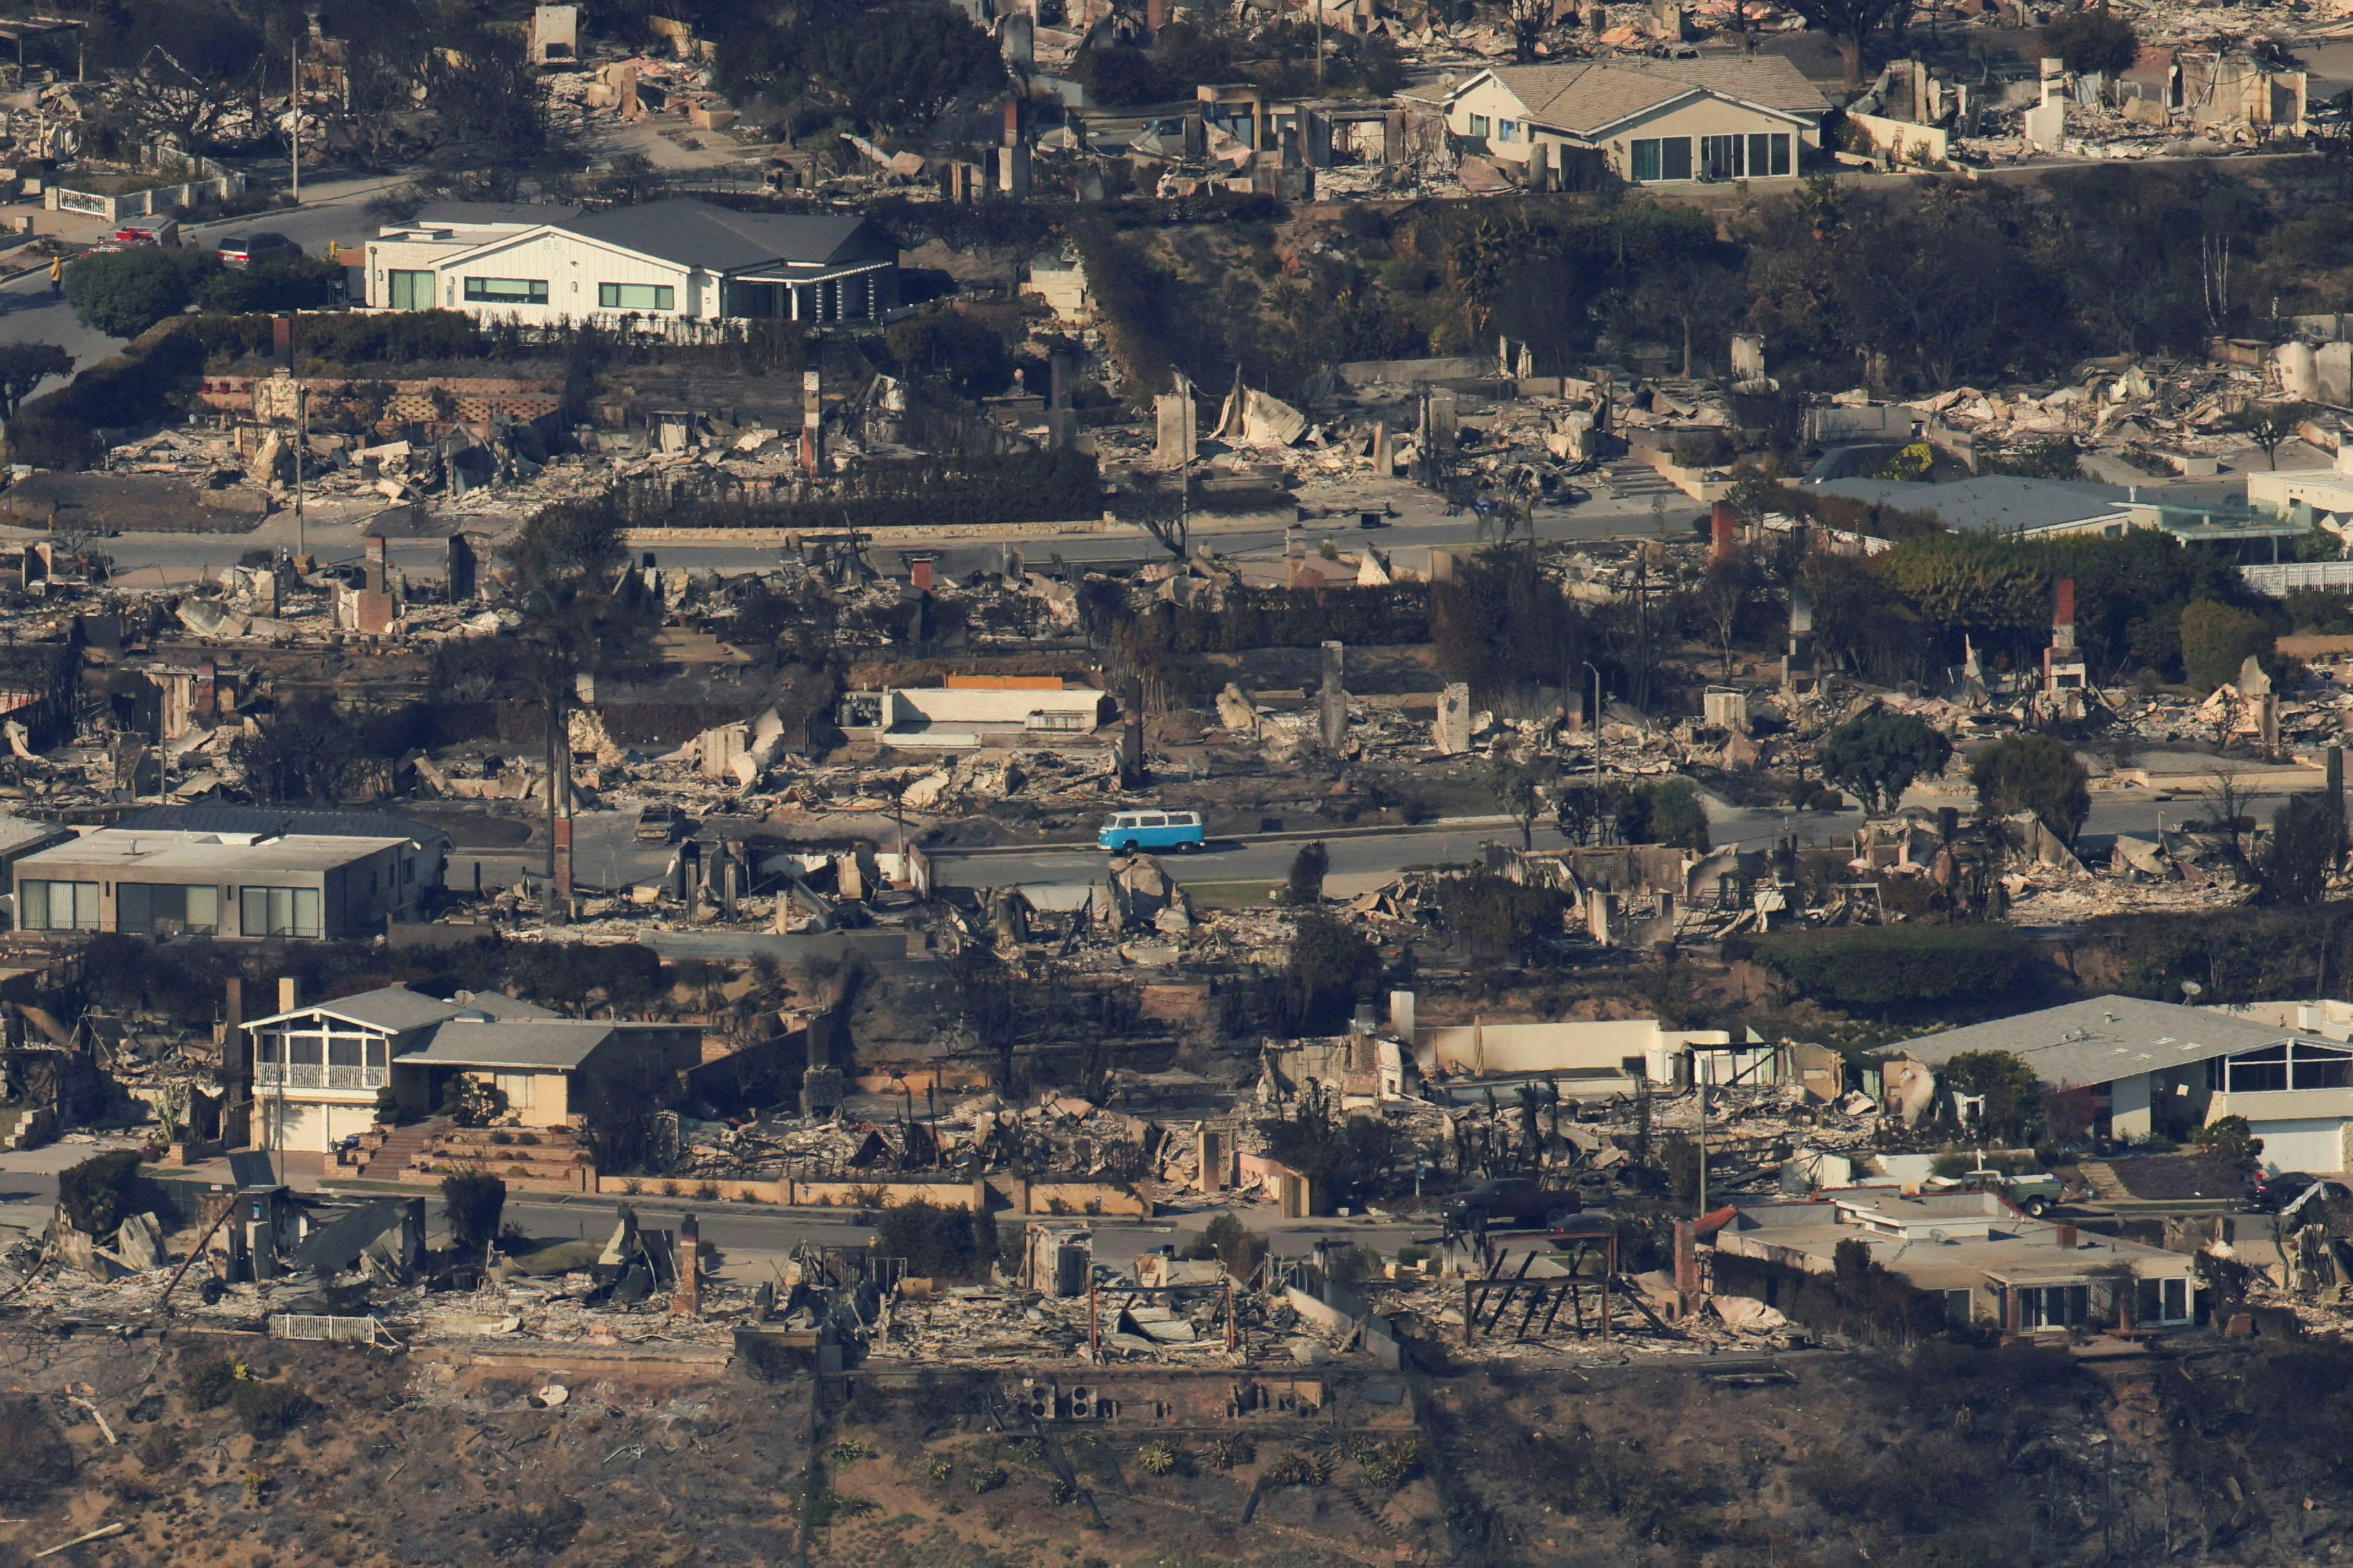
<point>1508,1201</point>
<point>2033,1191</point>
<point>1132,830</point>
<point>140,231</point>
<point>244,249</point>
<point>2289,1189</point>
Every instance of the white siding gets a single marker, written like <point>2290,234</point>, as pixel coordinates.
<point>572,268</point>
<point>1492,100</point>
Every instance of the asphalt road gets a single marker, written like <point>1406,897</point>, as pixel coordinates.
<point>1352,854</point>
<point>31,313</point>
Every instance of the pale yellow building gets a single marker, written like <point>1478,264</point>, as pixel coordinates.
<point>1652,122</point>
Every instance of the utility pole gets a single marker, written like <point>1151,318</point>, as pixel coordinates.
<point>294,102</point>
<point>301,443</point>
<point>1699,1066</point>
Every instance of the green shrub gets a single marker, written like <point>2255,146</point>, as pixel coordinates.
<point>1226,1452</point>
<point>122,293</point>
<point>987,1478</point>
<point>1296,1469</point>
<point>1160,1458</point>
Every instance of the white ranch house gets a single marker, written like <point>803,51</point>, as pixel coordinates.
<point>1652,122</point>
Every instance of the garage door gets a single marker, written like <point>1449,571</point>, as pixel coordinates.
<point>297,1127</point>
<point>2307,1144</point>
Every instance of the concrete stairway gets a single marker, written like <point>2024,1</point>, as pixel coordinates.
<point>402,1144</point>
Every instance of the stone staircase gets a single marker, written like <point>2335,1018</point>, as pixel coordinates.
<point>1637,481</point>
<point>384,1156</point>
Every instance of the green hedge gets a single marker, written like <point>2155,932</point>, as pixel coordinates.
<point>1872,967</point>
<point>388,337</point>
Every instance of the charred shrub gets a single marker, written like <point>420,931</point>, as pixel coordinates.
<point>34,1458</point>
<point>208,1382</point>
<point>268,1410</point>
<point>540,1526</point>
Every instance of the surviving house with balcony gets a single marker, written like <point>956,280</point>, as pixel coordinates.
<point>2146,1068</point>
<point>1650,122</point>
<point>681,260</point>
<point>319,1070</point>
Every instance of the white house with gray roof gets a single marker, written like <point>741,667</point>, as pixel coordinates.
<point>666,262</point>
<point>1654,122</point>
<point>318,1069</point>
<point>2163,1068</point>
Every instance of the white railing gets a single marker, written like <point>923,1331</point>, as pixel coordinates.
<point>310,1074</point>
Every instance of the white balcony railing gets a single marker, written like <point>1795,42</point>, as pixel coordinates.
<point>311,1075</point>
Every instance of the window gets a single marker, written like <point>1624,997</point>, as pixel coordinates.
<point>506,291</point>
<point>1956,1309</point>
<point>2054,1306</point>
<point>1507,131</point>
<point>2163,1301</point>
<point>409,290</point>
<point>165,910</point>
<point>2298,1065</point>
<point>1478,125</point>
<point>279,912</point>
<point>2256,1072</point>
<point>2317,1066</point>
<point>636,296</point>
<point>1668,158</point>
<point>515,1086</point>
<point>1721,157</point>
<point>57,906</point>
<point>1154,821</point>
<point>1768,156</point>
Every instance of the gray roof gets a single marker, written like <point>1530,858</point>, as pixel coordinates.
<point>17,832</point>
<point>396,1010</point>
<point>2103,1039</point>
<point>697,234</point>
<point>562,1043</point>
<point>1587,95</point>
<point>310,820</point>
<point>1991,503</point>
<point>520,214</point>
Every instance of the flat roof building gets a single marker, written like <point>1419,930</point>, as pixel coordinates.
<point>251,886</point>
<point>1987,1264</point>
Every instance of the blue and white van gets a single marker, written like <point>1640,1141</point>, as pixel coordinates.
<point>1131,830</point>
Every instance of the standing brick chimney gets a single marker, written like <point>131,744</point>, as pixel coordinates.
<point>688,1302</point>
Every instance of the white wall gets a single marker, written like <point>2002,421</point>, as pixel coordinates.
<point>1496,102</point>
<point>942,705</point>
<point>572,268</point>
<point>1582,1044</point>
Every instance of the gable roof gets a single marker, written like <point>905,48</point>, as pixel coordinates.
<point>720,239</point>
<point>396,1010</point>
<point>2104,1038</point>
<point>1587,96</point>
<point>560,1043</point>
